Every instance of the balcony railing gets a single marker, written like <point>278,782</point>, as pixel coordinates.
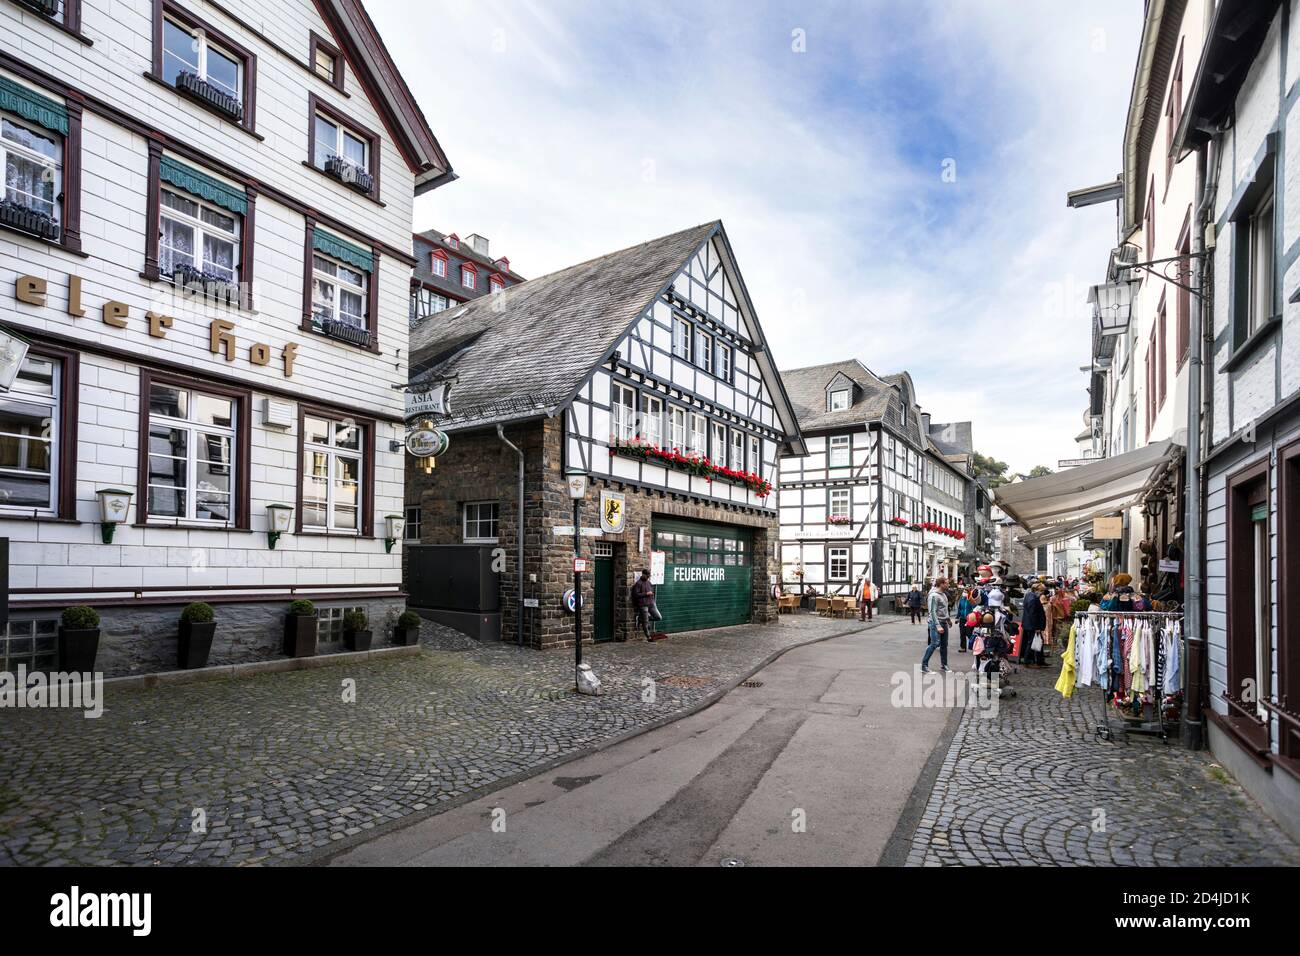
<point>18,216</point>
<point>350,174</point>
<point>203,91</point>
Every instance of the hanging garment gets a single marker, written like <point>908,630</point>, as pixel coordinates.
<point>1085,652</point>
<point>1122,664</point>
<point>1173,678</point>
<point>1137,660</point>
<point>1065,683</point>
<point>1103,655</point>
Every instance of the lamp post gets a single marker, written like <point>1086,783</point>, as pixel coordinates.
<point>577,491</point>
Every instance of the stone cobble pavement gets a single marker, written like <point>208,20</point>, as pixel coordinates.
<point>1033,785</point>
<point>279,766</point>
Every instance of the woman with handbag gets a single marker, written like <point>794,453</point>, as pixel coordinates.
<point>1033,621</point>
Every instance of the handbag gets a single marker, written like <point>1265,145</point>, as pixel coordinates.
<point>1037,643</point>
<point>978,647</point>
<point>655,614</point>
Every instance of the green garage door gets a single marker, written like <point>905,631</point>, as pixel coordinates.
<point>708,573</point>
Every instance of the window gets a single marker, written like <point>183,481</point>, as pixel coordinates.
<point>33,170</point>
<point>682,339</point>
<point>468,277</point>
<point>203,64</point>
<point>198,235</point>
<point>453,240</point>
<point>496,283</point>
<point>840,452</point>
<point>839,506</point>
<point>624,413</point>
<point>411,529</point>
<point>333,451</point>
<point>719,442</point>
<point>1260,265</point>
<point>1249,587</point>
<point>1183,297</point>
<point>191,453</point>
<point>1173,114</point>
<point>1151,219</point>
<point>30,642</point>
<point>1161,363</point>
<point>704,350</point>
<point>839,400</point>
<point>652,422</point>
<point>677,429</point>
<point>724,362</point>
<point>699,435</point>
<point>737,462</point>
<point>339,293</point>
<point>326,61</point>
<point>335,139</point>
<point>755,454</point>
<point>341,148</point>
<point>439,264</point>
<point>837,561</point>
<point>30,448</point>
<point>481,522</point>
<point>1151,381</point>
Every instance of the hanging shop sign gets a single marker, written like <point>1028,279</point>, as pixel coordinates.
<point>222,341</point>
<point>1108,528</point>
<point>426,442</point>
<point>613,512</point>
<point>430,399</point>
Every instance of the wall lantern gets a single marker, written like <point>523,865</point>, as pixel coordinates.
<point>13,352</point>
<point>1112,306</point>
<point>395,525</point>
<point>278,520</point>
<point>114,505</point>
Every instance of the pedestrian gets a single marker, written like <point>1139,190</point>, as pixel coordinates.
<point>938,622</point>
<point>915,601</point>
<point>1033,621</point>
<point>965,605</point>
<point>866,593</point>
<point>643,601</point>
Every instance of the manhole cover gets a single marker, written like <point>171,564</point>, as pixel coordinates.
<point>732,861</point>
<point>751,683</point>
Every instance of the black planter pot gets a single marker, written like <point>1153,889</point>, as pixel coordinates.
<point>77,649</point>
<point>300,635</point>
<point>194,644</point>
<point>357,640</point>
<point>406,636</point>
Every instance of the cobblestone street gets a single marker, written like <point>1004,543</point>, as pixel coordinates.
<point>1026,786</point>
<point>280,766</point>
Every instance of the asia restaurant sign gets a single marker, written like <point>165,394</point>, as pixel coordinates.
<point>33,290</point>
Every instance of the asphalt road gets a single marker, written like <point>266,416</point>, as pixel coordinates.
<point>815,767</point>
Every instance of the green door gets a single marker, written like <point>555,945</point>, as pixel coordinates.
<point>708,574</point>
<point>604,596</point>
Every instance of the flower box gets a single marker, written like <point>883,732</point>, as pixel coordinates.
<point>839,519</point>
<point>696,465</point>
<point>346,333</point>
<point>17,216</point>
<point>349,174</point>
<point>208,284</point>
<point>898,522</point>
<point>191,85</point>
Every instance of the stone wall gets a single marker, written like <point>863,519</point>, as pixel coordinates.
<point>478,467</point>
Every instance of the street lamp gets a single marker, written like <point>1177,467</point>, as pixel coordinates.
<point>278,520</point>
<point>395,525</point>
<point>114,504</point>
<point>1112,305</point>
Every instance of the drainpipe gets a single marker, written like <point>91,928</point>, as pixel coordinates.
<point>1193,547</point>
<point>519,536</point>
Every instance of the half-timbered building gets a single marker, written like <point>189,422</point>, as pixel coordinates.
<point>646,370</point>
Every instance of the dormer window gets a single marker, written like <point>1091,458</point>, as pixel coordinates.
<point>838,400</point>
<point>453,240</point>
<point>438,264</point>
<point>468,276</point>
<point>496,283</point>
<point>904,413</point>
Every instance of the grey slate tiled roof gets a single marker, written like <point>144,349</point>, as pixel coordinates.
<point>952,438</point>
<point>530,346</point>
<point>872,398</point>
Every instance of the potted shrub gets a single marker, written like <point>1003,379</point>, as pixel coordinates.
<point>407,630</point>
<point>78,639</point>
<point>356,631</point>
<point>194,638</point>
<point>300,629</point>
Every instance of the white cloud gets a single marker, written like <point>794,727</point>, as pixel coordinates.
<point>581,128</point>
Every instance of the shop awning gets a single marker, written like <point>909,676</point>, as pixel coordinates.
<point>1056,502</point>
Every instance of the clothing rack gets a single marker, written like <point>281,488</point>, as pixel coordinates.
<point>1103,730</point>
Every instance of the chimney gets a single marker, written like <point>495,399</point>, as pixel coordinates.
<point>478,244</point>
<point>925,423</point>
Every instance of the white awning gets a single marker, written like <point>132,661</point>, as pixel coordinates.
<point>1056,503</point>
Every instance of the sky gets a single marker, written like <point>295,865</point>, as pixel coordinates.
<point>892,176</point>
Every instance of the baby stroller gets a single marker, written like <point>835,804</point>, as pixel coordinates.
<point>992,648</point>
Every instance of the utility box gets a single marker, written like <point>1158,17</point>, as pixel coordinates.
<point>454,584</point>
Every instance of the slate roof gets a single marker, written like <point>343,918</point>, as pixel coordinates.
<point>806,387</point>
<point>952,438</point>
<point>524,351</point>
